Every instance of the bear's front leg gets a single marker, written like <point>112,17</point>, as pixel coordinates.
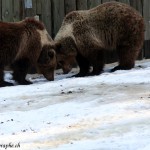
<point>97,61</point>
<point>20,69</point>
<point>84,66</point>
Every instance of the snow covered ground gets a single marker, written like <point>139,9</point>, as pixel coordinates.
<point>106,112</point>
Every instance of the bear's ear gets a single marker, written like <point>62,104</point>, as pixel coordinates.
<point>51,53</point>
<point>45,56</point>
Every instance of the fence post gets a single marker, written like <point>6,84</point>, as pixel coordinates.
<point>47,15</point>
<point>93,3</point>
<point>39,7</point>
<point>58,15</point>
<point>137,4</point>
<point>7,10</point>
<point>0,10</point>
<point>16,10</point>
<point>81,4</point>
<point>70,5</point>
<point>30,8</point>
<point>146,14</point>
<point>124,1</point>
<point>103,1</point>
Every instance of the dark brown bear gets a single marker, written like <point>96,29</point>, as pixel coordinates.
<point>23,44</point>
<point>87,35</point>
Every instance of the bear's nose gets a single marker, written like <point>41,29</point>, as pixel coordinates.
<point>67,69</point>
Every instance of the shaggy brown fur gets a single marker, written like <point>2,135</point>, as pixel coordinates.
<point>23,44</point>
<point>87,35</point>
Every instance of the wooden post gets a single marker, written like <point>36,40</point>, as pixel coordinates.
<point>22,9</point>
<point>124,1</point>
<point>30,8</point>
<point>7,10</point>
<point>137,4</point>
<point>0,10</point>
<point>39,7</point>
<point>81,4</point>
<point>104,1</point>
<point>70,5</point>
<point>58,14</point>
<point>46,15</point>
<point>34,7</point>
<point>16,10</point>
<point>93,3</point>
<point>146,13</point>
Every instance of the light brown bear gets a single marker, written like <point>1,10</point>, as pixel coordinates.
<point>87,35</point>
<point>23,44</point>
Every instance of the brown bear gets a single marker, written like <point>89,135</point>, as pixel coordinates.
<point>86,35</point>
<point>22,45</point>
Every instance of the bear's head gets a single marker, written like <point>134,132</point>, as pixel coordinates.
<point>46,63</point>
<point>66,52</point>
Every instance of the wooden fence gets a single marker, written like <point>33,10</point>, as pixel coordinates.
<point>52,12</point>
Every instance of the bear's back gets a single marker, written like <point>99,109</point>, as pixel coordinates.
<point>110,23</point>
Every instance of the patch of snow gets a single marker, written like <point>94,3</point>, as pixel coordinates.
<point>106,112</point>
